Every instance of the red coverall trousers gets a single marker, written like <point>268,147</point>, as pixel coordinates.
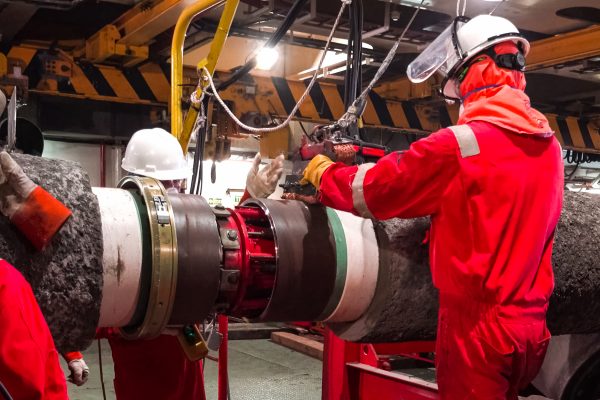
<point>29,367</point>
<point>479,343</point>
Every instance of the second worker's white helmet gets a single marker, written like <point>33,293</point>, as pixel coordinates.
<point>157,154</point>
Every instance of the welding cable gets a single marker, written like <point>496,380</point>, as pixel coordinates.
<point>4,392</point>
<point>356,110</point>
<point>302,99</point>
<point>289,20</point>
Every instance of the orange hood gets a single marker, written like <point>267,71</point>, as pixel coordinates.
<point>496,95</point>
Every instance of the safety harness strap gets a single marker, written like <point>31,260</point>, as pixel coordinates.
<point>358,193</point>
<point>467,142</point>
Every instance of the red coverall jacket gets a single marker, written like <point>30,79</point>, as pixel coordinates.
<point>29,367</point>
<point>494,194</point>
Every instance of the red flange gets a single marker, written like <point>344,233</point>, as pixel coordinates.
<point>249,261</point>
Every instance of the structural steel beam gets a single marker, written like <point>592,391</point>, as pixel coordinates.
<point>140,25</point>
<point>559,49</point>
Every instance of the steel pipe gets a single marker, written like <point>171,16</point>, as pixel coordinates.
<point>122,257</point>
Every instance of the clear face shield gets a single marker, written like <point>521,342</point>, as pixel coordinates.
<point>442,55</point>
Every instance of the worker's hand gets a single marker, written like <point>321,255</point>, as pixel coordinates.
<point>79,372</point>
<point>315,170</point>
<point>15,186</point>
<point>261,184</point>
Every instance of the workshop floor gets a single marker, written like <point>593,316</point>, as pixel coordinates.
<point>259,369</point>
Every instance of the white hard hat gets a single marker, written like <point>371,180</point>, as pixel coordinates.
<point>458,44</point>
<point>157,154</point>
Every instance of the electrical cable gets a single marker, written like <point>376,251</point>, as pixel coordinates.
<point>201,125</point>
<point>576,157</point>
<point>4,392</point>
<point>101,370</point>
<point>357,108</point>
<point>464,9</point>
<point>495,8</point>
<point>279,34</point>
<point>302,99</point>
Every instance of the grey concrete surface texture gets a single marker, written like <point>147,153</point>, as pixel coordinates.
<point>66,277</point>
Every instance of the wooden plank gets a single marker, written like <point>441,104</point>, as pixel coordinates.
<point>303,345</point>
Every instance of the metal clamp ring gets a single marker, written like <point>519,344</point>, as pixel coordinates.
<point>164,257</point>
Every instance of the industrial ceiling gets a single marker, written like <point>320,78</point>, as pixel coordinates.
<point>571,87</point>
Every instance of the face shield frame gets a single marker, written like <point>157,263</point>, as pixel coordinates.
<point>464,57</point>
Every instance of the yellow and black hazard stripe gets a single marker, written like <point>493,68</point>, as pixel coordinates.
<point>145,84</point>
<point>150,84</point>
<point>325,104</point>
<point>575,133</point>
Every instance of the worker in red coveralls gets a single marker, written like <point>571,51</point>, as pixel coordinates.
<point>158,368</point>
<point>29,367</point>
<point>493,186</point>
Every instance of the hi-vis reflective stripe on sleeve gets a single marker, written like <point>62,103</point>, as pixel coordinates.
<point>466,140</point>
<point>358,194</point>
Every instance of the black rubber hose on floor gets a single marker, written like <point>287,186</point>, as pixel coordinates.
<point>4,392</point>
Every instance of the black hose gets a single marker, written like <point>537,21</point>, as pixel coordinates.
<point>348,79</point>
<point>196,183</point>
<point>289,20</point>
<point>4,392</point>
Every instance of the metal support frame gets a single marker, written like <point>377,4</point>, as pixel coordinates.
<point>182,130</point>
<point>355,371</point>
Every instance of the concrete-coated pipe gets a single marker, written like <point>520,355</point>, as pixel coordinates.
<point>404,307</point>
<point>385,292</point>
<point>67,276</point>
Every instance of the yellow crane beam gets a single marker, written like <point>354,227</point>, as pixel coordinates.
<point>563,48</point>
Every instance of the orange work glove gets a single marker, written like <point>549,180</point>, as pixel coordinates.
<point>315,170</point>
<point>35,212</point>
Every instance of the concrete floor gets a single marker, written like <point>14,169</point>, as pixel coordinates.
<point>258,369</point>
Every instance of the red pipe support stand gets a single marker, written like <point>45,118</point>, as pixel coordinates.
<point>223,388</point>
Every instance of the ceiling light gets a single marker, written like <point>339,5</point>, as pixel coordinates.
<point>395,15</point>
<point>266,58</point>
<point>345,42</point>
